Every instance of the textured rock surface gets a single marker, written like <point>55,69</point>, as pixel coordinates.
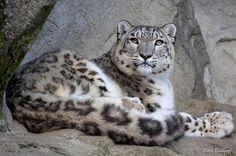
<point>190,38</point>
<point>89,27</point>
<point>20,23</point>
<point>20,14</point>
<point>217,20</point>
<point>72,142</point>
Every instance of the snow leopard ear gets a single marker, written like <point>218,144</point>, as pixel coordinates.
<point>122,28</point>
<point>170,31</point>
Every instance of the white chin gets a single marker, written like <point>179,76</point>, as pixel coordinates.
<point>144,69</point>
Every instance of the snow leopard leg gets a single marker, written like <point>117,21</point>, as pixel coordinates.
<point>212,125</point>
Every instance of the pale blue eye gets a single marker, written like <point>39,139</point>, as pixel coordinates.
<point>159,42</point>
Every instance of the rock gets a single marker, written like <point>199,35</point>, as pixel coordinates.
<point>190,38</point>
<point>73,143</point>
<point>207,33</point>
<point>90,27</point>
<point>20,23</point>
<point>20,15</point>
<point>54,143</point>
<point>217,21</point>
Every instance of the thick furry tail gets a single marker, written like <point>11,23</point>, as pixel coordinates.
<point>103,116</point>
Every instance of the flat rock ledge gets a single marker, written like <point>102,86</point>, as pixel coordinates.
<point>69,142</point>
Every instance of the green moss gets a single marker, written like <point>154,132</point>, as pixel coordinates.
<point>12,55</point>
<point>3,46</point>
<point>2,35</point>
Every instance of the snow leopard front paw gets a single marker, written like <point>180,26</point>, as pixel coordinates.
<point>220,124</point>
<point>133,103</point>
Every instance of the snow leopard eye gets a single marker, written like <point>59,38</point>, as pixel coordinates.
<point>134,40</point>
<point>159,42</point>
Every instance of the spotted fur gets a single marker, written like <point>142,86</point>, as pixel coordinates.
<point>125,94</point>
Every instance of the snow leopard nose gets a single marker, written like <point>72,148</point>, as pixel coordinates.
<point>145,57</point>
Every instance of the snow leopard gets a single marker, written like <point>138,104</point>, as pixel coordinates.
<point>125,94</point>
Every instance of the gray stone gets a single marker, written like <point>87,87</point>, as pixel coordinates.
<point>190,38</point>
<point>183,77</point>
<point>89,27</point>
<point>217,21</point>
<point>58,143</point>
<point>20,14</point>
